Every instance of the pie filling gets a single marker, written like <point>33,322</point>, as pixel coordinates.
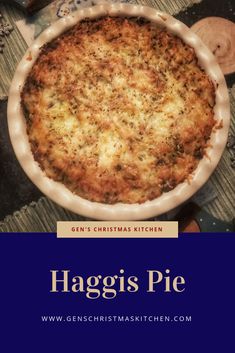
<point>118,110</point>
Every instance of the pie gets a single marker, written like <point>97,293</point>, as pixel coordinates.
<point>118,110</point>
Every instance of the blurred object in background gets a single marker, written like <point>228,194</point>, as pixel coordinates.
<point>193,219</point>
<point>219,35</point>
<point>30,6</point>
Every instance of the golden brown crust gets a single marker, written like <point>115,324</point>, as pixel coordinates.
<point>118,110</point>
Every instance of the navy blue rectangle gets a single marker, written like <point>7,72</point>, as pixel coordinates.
<point>205,261</point>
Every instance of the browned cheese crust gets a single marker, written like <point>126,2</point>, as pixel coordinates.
<point>118,110</point>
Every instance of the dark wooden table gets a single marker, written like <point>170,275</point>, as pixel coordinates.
<point>16,190</point>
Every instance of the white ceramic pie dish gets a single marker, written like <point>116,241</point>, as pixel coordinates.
<point>57,191</point>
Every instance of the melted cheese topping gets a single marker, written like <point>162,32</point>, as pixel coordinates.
<point>118,110</point>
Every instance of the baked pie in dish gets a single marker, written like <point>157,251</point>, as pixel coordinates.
<point>121,109</point>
